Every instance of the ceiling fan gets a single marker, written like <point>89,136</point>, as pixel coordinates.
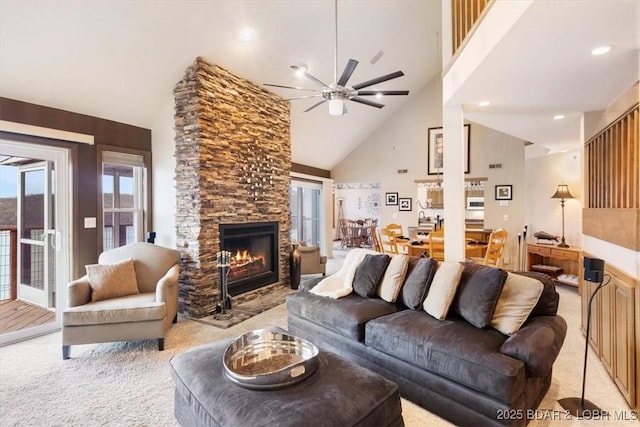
<point>338,92</point>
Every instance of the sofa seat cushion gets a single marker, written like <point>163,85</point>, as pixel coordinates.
<point>453,349</point>
<point>345,316</point>
<point>132,308</point>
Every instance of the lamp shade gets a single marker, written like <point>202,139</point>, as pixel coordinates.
<point>562,192</point>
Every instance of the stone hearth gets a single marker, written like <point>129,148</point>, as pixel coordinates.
<point>233,163</point>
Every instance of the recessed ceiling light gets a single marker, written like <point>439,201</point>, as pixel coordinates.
<point>558,117</point>
<point>246,34</point>
<point>484,103</point>
<point>600,50</point>
<point>300,70</point>
<point>378,95</point>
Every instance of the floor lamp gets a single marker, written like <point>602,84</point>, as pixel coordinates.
<point>579,406</point>
<point>562,193</point>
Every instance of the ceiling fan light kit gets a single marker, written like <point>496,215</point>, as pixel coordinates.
<point>338,92</point>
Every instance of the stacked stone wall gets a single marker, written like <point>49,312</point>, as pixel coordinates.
<point>233,163</point>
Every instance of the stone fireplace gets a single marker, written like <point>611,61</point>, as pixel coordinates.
<point>233,163</point>
<point>254,251</point>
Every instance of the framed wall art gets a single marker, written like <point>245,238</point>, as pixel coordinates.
<point>504,192</point>
<point>391,199</point>
<point>404,204</point>
<point>435,150</point>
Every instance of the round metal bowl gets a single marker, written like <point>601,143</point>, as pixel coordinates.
<point>269,359</point>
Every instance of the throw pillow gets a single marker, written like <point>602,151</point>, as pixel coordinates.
<point>369,273</point>
<point>420,274</point>
<point>443,289</point>
<point>393,278</point>
<point>519,295</point>
<point>478,293</point>
<point>548,302</point>
<point>112,280</point>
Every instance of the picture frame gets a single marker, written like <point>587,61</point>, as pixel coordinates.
<point>404,204</point>
<point>391,199</point>
<point>435,145</point>
<point>504,192</point>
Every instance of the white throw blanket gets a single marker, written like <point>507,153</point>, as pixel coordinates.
<point>340,284</point>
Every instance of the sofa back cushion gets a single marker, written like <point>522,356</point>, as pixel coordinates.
<point>420,272</point>
<point>517,299</point>
<point>443,289</point>
<point>548,302</point>
<point>394,276</point>
<point>369,273</point>
<point>478,293</point>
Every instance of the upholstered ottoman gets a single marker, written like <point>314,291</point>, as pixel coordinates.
<point>338,394</point>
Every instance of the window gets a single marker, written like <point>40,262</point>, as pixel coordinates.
<point>306,210</point>
<point>123,199</point>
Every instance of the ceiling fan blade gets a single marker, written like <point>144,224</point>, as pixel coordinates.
<point>346,74</point>
<point>289,87</point>
<point>366,102</point>
<point>304,97</point>
<point>378,80</point>
<point>315,105</point>
<point>382,92</point>
<point>309,76</point>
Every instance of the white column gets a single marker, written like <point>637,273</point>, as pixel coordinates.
<point>454,206</point>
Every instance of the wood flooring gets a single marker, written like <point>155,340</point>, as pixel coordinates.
<point>16,315</point>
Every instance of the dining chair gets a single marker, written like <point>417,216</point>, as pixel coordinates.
<point>395,228</point>
<point>351,234</point>
<point>388,241</point>
<point>493,256</point>
<point>436,245</point>
<point>377,243</point>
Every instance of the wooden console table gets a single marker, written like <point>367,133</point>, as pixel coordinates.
<point>555,262</point>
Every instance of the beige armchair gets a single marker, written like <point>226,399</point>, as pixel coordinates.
<point>146,313</point>
<point>311,262</point>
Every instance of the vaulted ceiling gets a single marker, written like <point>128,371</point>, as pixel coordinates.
<point>121,60</point>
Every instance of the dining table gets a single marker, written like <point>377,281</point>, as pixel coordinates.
<point>472,249</point>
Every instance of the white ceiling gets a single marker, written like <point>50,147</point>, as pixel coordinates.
<point>543,67</point>
<point>120,60</point>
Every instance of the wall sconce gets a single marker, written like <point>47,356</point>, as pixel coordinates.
<point>562,193</point>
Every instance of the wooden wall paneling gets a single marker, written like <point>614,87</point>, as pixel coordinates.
<point>635,160</point>
<point>616,172</point>
<point>637,342</point>
<point>624,167</point>
<point>607,329</point>
<point>624,365</point>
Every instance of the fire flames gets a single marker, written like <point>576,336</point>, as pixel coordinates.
<point>243,257</point>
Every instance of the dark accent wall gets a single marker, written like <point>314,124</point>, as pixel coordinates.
<point>310,170</point>
<point>85,162</point>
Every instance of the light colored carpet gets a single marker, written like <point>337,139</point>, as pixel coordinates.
<point>128,384</point>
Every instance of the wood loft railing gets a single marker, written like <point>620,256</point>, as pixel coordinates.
<point>464,15</point>
<point>612,182</point>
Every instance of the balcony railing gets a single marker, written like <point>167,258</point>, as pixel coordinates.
<point>8,262</point>
<point>464,15</point>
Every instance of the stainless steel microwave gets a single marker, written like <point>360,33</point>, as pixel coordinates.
<point>475,203</point>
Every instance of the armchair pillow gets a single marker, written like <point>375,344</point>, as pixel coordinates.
<point>112,280</point>
<point>369,273</point>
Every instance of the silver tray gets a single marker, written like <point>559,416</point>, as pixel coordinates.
<point>269,359</point>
